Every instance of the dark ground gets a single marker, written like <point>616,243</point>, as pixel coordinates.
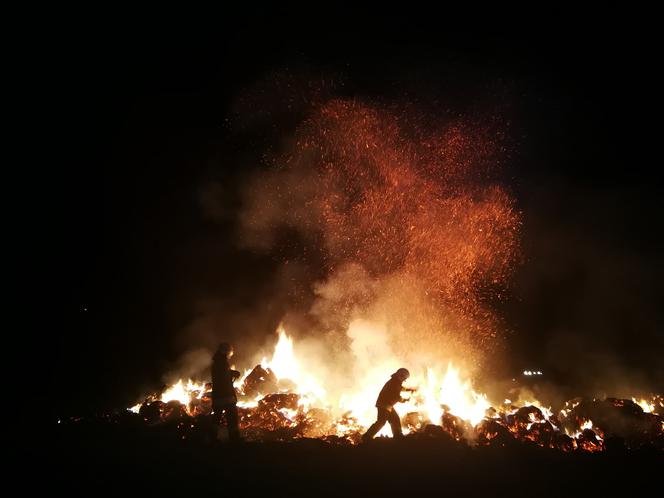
<point>116,460</point>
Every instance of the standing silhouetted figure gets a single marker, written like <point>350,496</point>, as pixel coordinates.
<point>388,397</point>
<point>224,399</point>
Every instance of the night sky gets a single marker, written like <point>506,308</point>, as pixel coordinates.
<point>146,118</point>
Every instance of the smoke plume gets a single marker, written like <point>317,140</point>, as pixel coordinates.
<point>413,232</point>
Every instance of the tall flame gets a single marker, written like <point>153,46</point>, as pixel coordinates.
<point>645,406</point>
<point>285,366</point>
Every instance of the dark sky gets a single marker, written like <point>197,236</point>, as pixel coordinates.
<point>138,125</point>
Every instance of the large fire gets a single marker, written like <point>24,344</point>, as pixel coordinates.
<point>279,399</point>
<point>416,238</point>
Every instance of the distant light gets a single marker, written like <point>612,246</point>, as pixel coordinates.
<point>532,372</point>
<point>59,421</point>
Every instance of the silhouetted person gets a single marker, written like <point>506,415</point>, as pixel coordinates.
<point>224,399</point>
<point>388,397</point>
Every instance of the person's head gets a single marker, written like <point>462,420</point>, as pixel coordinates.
<point>225,349</point>
<point>402,374</point>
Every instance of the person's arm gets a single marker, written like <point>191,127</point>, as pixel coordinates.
<point>408,390</point>
<point>235,374</point>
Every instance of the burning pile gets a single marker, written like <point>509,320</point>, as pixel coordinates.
<point>278,401</point>
<point>416,239</point>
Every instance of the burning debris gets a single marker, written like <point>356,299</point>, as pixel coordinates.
<point>274,408</point>
<point>260,380</point>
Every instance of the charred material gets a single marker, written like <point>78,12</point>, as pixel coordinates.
<point>619,418</point>
<point>454,426</point>
<point>491,432</point>
<point>260,381</point>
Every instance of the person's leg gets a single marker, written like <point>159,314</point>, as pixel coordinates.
<point>395,423</point>
<point>232,421</point>
<point>218,414</point>
<point>378,424</point>
<point>216,420</point>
